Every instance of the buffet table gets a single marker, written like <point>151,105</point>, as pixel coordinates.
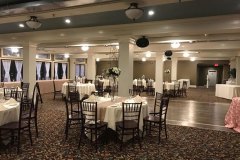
<point>227,91</point>
<point>232,118</point>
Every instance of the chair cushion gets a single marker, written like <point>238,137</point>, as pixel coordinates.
<point>92,126</point>
<point>152,118</point>
<point>128,124</point>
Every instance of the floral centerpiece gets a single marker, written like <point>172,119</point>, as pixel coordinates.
<point>113,72</point>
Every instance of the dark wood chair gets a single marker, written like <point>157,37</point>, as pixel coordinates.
<point>7,92</point>
<point>17,128</point>
<point>91,125</point>
<point>184,89</point>
<point>74,100</point>
<point>1,84</point>
<point>150,89</point>
<point>157,120</point>
<point>56,92</point>
<point>18,95</point>
<point>176,90</point>
<point>130,122</point>
<point>25,88</point>
<point>72,119</point>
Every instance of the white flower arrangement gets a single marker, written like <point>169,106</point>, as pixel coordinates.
<point>114,71</point>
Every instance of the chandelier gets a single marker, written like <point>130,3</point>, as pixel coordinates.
<point>33,23</point>
<point>133,12</point>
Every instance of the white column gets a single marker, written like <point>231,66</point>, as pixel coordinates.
<point>159,73</point>
<point>29,65</point>
<point>237,70</point>
<point>72,67</point>
<point>174,69</point>
<point>125,63</point>
<point>91,66</point>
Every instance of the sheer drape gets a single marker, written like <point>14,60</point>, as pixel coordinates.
<point>39,64</point>
<point>47,65</point>
<point>56,70</point>
<point>18,65</point>
<point>82,70</point>
<point>64,68</point>
<point>77,70</point>
<point>6,65</point>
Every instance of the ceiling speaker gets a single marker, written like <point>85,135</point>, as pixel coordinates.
<point>142,42</point>
<point>168,53</point>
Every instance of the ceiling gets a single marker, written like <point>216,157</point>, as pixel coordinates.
<point>210,28</point>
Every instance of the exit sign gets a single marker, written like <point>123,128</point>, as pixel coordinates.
<point>216,65</point>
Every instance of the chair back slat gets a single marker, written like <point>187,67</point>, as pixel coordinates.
<point>131,111</point>
<point>89,111</point>
<point>164,108</point>
<point>157,102</point>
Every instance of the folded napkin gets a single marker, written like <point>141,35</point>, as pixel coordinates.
<point>10,103</point>
<point>138,99</point>
<point>19,89</point>
<point>92,98</point>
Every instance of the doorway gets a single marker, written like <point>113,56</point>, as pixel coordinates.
<point>212,78</point>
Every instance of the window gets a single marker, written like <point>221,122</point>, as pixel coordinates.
<point>80,70</point>
<point>11,70</point>
<point>60,70</point>
<point>43,70</point>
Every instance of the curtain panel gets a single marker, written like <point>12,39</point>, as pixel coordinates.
<point>19,65</point>
<point>6,66</point>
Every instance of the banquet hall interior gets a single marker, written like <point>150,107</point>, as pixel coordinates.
<point>73,70</point>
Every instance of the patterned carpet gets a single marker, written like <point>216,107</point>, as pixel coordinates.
<point>183,142</point>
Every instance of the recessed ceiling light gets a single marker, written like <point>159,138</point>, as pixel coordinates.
<point>205,34</point>
<point>185,54</point>
<point>66,55</point>
<point>97,59</point>
<point>100,32</point>
<point>67,21</point>
<point>85,48</point>
<point>143,59</point>
<point>151,12</point>
<point>192,59</point>
<point>62,34</point>
<point>21,25</point>
<point>148,54</point>
<point>37,56</point>
<point>175,44</point>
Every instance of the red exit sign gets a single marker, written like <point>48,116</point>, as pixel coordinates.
<point>216,65</point>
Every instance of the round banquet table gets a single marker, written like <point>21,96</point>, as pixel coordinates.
<point>232,118</point>
<point>83,88</point>
<point>9,112</point>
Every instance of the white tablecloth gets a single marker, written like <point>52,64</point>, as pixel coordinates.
<point>227,91</point>
<point>181,82</point>
<point>105,82</point>
<point>113,113</point>
<point>82,88</point>
<point>142,80</point>
<point>169,86</point>
<point>9,112</point>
